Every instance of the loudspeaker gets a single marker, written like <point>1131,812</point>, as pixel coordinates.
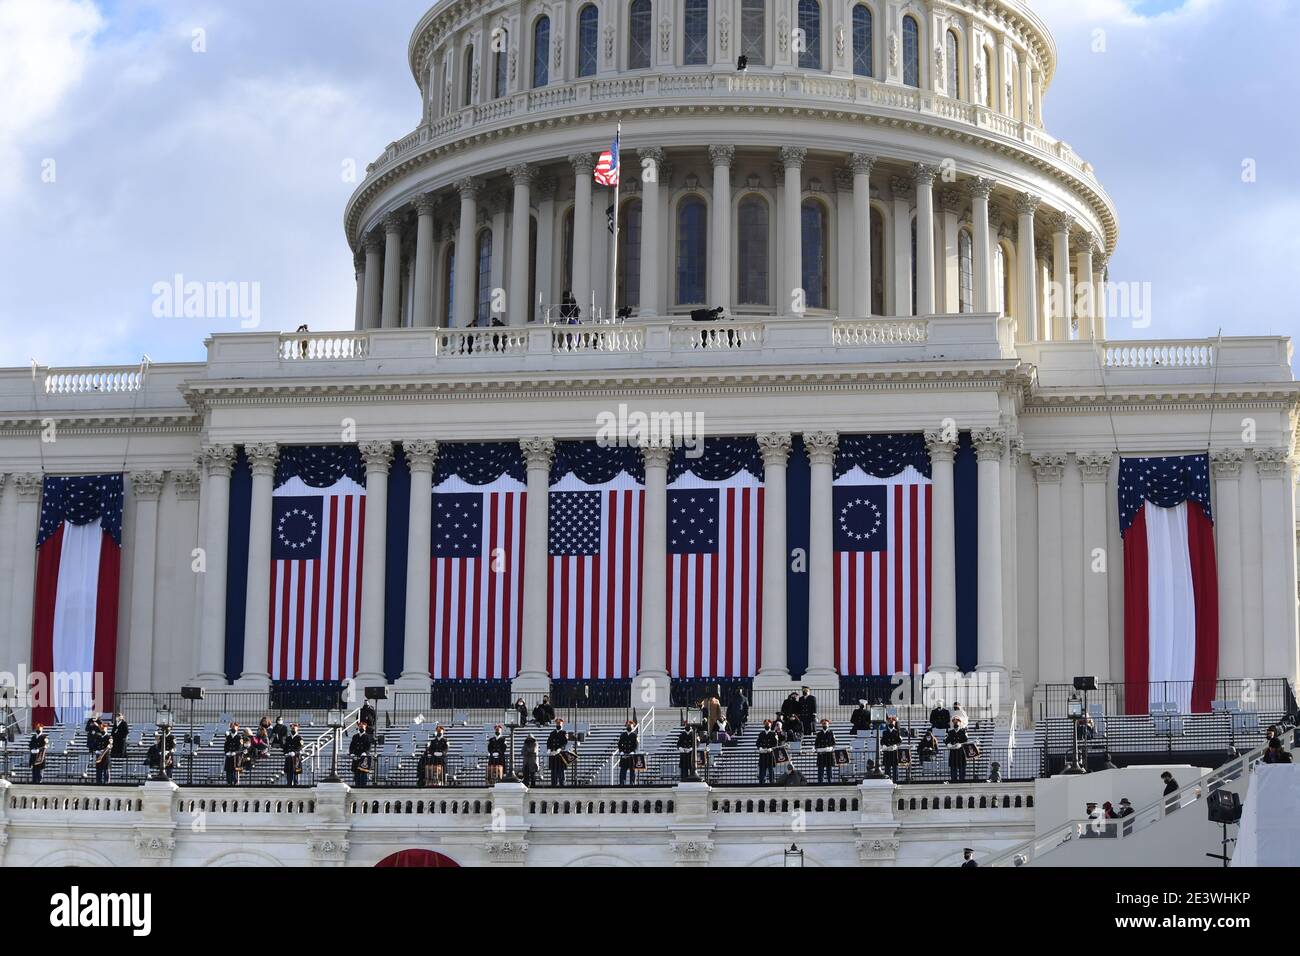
<point>377,693</point>
<point>1224,807</point>
<point>1085,683</point>
<point>191,693</point>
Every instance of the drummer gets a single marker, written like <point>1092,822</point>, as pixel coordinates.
<point>891,740</point>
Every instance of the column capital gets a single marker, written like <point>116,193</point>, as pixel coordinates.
<point>219,460</point>
<point>469,188</point>
<point>980,188</point>
<point>656,456</point>
<point>924,174</point>
<point>426,205</point>
<point>262,457</point>
<point>901,187</point>
<point>394,222</point>
<point>989,443</point>
<point>186,484</point>
<point>538,452</point>
<point>1271,462</point>
<point>774,447</point>
<point>1226,462</point>
<point>655,153</point>
<point>420,454</point>
<point>1027,204</point>
<point>582,163</point>
<point>1061,222</point>
<point>941,444</point>
<point>821,447</point>
<point>792,157</point>
<point>1048,467</point>
<point>522,174</point>
<point>374,241</point>
<point>147,485</point>
<point>862,163</point>
<point>377,455</point>
<point>1082,243</point>
<point>722,155</point>
<point>1094,465</point>
<point>28,486</point>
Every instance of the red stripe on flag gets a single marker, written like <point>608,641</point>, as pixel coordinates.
<point>105,655</point>
<point>913,580</point>
<point>1137,616</point>
<point>1205,590</point>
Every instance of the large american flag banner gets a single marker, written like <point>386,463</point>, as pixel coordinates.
<point>594,625</point>
<point>318,529</point>
<point>477,578</point>
<point>715,575</point>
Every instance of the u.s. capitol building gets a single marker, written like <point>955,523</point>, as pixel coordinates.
<point>919,438</point>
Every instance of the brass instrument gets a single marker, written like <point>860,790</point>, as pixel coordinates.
<point>38,756</point>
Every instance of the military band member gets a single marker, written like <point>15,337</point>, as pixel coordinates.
<point>497,746</point>
<point>768,741</point>
<point>359,747</point>
<point>627,748</point>
<point>860,719</point>
<point>292,746</point>
<point>557,743</point>
<point>121,733</point>
<point>101,748</point>
<point>38,746</point>
<point>891,740</point>
<point>824,745</point>
<point>686,752</point>
<point>234,751</point>
<point>165,741</point>
<point>807,712</point>
<point>433,763</point>
<point>955,740</point>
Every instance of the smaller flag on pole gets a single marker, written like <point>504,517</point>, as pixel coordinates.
<point>607,169</point>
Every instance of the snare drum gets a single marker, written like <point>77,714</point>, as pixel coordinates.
<point>780,755</point>
<point>904,757</point>
<point>971,750</point>
<point>841,758</point>
<point>638,761</point>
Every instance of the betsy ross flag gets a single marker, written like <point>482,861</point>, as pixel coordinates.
<point>477,578</point>
<point>594,626</point>
<point>74,626</point>
<point>607,166</point>
<point>318,525</point>
<point>1171,606</point>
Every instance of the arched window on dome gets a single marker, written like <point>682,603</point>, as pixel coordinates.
<point>753,31</point>
<point>877,262</point>
<point>810,22</point>
<point>695,32</point>
<point>501,64</point>
<point>469,77</point>
<point>692,251</point>
<point>911,52</point>
<point>990,81</point>
<point>449,283</point>
<point>965,272</point>
<point>639,39</point>
<point>629,254</point>
<point>588,40</point>
<point>483,291</point>
<point>953,62</point>
<point>864,30</point>
<point>1003,276</point>
<point>815,238</point>
<point>754,273</point>
<point>541,51</point>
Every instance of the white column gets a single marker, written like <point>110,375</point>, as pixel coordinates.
<point>256,672</point>
<point>1099,261</point>
<point>924,177</point>
<point>1049,469</point>
<point>989,444</point>
<point>582,288</point>
<point>774,672</point>
<point>980,189</point>
<point>538,455</point>
<point>1094,469</point>
<point>146,489</point>
<point>943,555</point>
<point>218,460</point>
<point>1062,297</point>
<point>1027,325</point>
<point>652,300</point>
<point>902,189</point>
<point>821,447</point>
<point>359,267</point>
<point>424,209</point>
<point>26,521</point>
<point>9,651</point>
<point>420,456</point>
<point>1277,548</point>
<point>391,315</point>
<point>720,283</point>
<point>518,308</point>
<point>652,683</point>
<point>374,244</point>
<point>466,254</point>
<point>1083,268</point>
<point>378,456</point>
<point>792,158</point>
<point>861,164</point>
<point>1226,465</point>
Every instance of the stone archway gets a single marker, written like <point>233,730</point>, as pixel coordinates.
<point>417,858</point>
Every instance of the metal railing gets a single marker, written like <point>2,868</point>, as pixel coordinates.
<point>1265,695</point>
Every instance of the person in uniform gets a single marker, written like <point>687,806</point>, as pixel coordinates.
<point>686,752</point>
<point>359,747</point>
<point>497,745</point>
<point>544,713</point>
<point>166,742</point>
<point>940,718</point>
<point>768,741</point>
<point>530,761</point>
<point>121,733</point>
<point>368,715</point>
<point>433,762</point>
<point>860,719</point>
<point>891,738</point>
<point>627,748</point>
<point>557,742</point>
<point>738,712</point>
<point>969,856</point>
<point>807,712</point>
<point>234,751</point>
<point>292,747</point>
<point>824,745</point>
<point>955,740</point>
<point>37,748</point>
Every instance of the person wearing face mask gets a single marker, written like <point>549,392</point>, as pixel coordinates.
<point>496,750</point>
<point>557,752</point>
<point>824,746</point>
<point>433,763</point>
<point>627,747</point>
<point>686,752</point>
<point>768,741</point>
<point>292,747</point>
<point>891,743</point>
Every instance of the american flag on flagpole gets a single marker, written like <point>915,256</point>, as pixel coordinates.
<point>607,166</point>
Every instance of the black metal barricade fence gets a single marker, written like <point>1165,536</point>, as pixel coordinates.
<point>1271,696</point>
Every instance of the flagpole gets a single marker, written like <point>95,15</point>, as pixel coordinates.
<point>613,258</point>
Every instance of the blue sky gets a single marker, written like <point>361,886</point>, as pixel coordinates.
<point>226,165</point>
